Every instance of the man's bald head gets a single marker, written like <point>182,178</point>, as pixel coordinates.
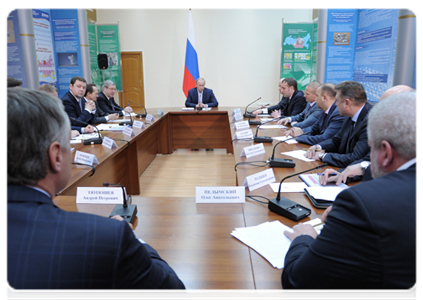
<point>396,89</point>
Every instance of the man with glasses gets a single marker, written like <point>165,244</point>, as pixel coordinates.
<point>106,100</point>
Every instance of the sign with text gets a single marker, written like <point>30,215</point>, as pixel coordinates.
<point>128,131</point>
<point>109,143</point>
<point>244,134</point>
<point>138,124</point>
<point>149,118</point>
<point>253,150</point>
<point>225,194</point>
<point>259,180</point>
<point>99,195</point>
<point>85,158</point>
<point>242,125</point>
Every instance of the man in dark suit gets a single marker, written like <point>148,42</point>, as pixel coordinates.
<point>76,106</point>
<point>100,116</point>
<point>106,100</point>
<point>369,237</point>
<point>311,112</point>
<point>360,169</point>
<point>292,103</point>
<point>328,124</point>
<point>48,248</point>
<point>350,143</point>
<point>201,96</point>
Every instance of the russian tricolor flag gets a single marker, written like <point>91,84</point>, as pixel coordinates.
<point>191,73</point>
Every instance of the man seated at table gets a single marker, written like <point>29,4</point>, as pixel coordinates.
<point>47,247</point>
<point>310,114</point>
<point>79,110</point>
<point>292,103</point>
<point>91,93</point>
<point>350,143</point>
<point>76,130</point>
<point>369,237</point>
<point>200,96</point>
<point>360,170</point>
<point>106,100</point>
<point>329,122</point>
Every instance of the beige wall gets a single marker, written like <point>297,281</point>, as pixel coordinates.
<point>238,50</point>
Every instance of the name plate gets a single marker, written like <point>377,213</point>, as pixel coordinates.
<point>244,134</point>
<point>242,125</point>
<point>85,158</point>
<point>220,194</point>
<point>238,116</point>
<point>109,143</point>
<point>259,180</point>
<point>236,110</point>
<point>149,117</point>
<point>128,131</point>
<point>160,112</point>
<point>253,150</point>
<point>138,124</point>
<point>99,195</point>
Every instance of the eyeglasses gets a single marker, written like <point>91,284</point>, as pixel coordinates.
<point>112,89</point>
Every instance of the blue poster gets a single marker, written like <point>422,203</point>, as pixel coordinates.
<point>15,64</point>
<point>375,50</point>
<point>340,49</point>
<point>44,47</point>
<point>67,47</point>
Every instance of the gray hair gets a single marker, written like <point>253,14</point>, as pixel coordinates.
<point>394,120</point>
<point>198,79</point>
<point>106,84</point>
<point>35,119</point>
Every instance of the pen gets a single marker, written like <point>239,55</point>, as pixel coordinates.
<point>331,174</point>
<point>306,149</point>
<point>323,223</point>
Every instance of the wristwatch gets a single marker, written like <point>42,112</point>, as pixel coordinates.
<point>364,165</point>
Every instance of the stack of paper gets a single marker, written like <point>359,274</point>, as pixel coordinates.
<point>268,240</point>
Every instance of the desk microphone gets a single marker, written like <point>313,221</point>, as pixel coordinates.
<point>288,208</point>
<point>97,140</point>
<point>282,162</point>
<point>140,115</point>
<point>263,139</point>
<point>127,211</point>
<point>123,113</point>
<point>248,114</point>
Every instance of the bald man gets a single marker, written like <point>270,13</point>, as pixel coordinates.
<point>361,170</point>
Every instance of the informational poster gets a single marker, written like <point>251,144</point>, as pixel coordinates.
<point>92,41</point>
<point>44,47</point>
<point>375,50</point>
<point>315,39</point>
<point>108,43</point>
<point>340,44</point>
<point>15,64</point>
<point>296,52</point>
<point>67,46</point>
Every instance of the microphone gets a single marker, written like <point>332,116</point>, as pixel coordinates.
<point>127,211</point>
<point>248,114</point>
<point>282,162</point>
<point>140,115</point>
<point>288,208</point>
<point>123,112</point>
<point>251,115</point>
<point>262,139</point>
<point>97,140</point>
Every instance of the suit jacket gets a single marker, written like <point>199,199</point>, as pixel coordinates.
<point>108,106</point>
<point>324,128</point>
<point>100,115</point>
<point>208,98</point>
<point>368,241</point>
<point>290,107</point>
<point>48,248</point>
<point>73,109</point>
<point>307,117</point>
<point>343,149</point>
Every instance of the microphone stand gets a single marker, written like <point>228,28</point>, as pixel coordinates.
<point>127,211</point>
<point>140,115</point>
<point>97,140</point>
<point>262,139</point>
<point>248,114</point>
<point>282,162</point>
<point>288,208</point>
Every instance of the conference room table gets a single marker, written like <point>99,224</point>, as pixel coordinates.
<point>194,238</point>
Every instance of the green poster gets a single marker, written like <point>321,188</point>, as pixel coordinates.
<point>92,41</point>
<point>108,43</point>
<point>314,52</point>
<point>297,44</point>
